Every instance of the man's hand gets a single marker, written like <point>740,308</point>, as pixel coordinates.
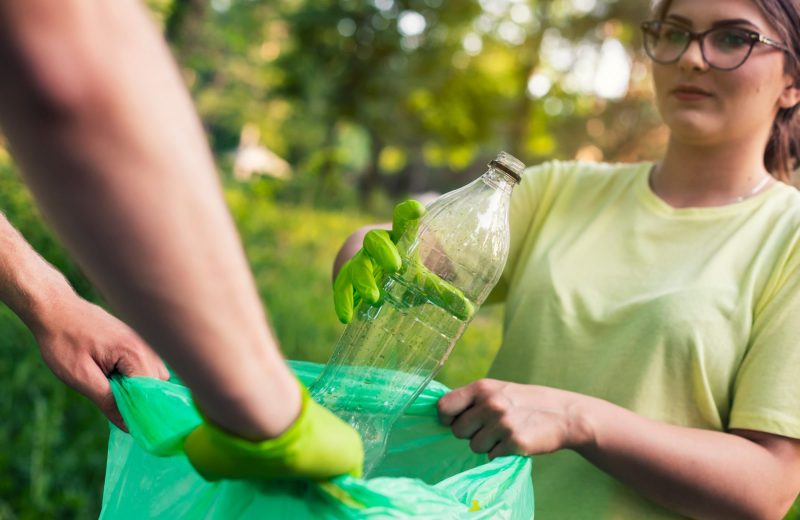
<point>83,344</point>
<point>380,254</point>
<point>317,446</point>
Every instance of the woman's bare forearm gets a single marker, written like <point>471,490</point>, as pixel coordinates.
<point>699,473</point>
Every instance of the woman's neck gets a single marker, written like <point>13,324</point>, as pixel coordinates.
<point>709,175</point>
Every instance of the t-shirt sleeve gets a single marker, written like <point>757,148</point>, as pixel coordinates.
<point>766,392</point>
<point>526,204</point>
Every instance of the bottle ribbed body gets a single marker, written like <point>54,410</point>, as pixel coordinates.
<point>393,349</point>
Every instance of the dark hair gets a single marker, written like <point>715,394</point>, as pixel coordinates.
<point>782,155</point>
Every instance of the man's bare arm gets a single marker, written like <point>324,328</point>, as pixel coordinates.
<point>96,114</point>
<point>80,342</point>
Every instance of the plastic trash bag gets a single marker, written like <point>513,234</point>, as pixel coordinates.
<point>427,473</point>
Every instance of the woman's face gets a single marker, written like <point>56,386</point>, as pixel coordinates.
<point>740,103</point>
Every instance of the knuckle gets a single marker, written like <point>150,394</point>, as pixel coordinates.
<point>501,450</point>
<point>496,403</point>
<point>506,424</point>
<point>443,410</point>
<point>134,355</point>
<point>483,386</point>
<point>516,440</point>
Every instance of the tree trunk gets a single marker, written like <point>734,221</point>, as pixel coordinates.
<point>371,177</point>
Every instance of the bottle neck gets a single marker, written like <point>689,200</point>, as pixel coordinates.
<point>499,180</point>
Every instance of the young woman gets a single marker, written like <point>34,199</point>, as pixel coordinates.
<point>651,349</point>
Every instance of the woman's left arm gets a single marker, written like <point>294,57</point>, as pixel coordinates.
<point>697,473</point>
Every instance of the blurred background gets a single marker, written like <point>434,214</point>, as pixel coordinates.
<point>321,115</point>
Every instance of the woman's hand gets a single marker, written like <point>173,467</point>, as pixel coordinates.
<point>381,253</point>
<point>694,472</point>
<point>502,418</point>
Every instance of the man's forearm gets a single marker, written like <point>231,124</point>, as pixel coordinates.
<point>698,473</point>
<point>28,284</point>
<point>129,184</point>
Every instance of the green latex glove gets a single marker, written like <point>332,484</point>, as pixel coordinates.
<point>382,252</point>
<point>317,446</point>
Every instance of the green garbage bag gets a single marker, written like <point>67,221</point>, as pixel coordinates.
<point>427,473</point>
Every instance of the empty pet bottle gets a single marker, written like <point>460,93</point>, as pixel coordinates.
<point>391,350</point>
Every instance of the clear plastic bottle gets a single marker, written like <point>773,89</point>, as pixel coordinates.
<point>391,351</point>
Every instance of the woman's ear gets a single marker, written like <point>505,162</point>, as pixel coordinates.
<point>791,93</point>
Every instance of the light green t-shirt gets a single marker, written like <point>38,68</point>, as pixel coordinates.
<point>687,316</point>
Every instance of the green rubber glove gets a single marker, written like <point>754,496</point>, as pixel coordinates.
<point>358,277</point>
<point>382,252</point>
<point>317,446</point>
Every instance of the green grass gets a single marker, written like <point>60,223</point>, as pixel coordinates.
<point>54,441</point>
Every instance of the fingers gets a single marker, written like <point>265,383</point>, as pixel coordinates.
<point>459,305</point>
<point>468,423</point>
<point>446,295</point>
<point>406,217</point>
<point>111,411</point>
<point>479,412</point>
<point>357,274</point>
<point>157,366</point>
<point>502,449</point>
<point>343,294</point>
<point>130,356</point>
<point>475,422</point>
<point>92,382</point>
<point>455,403</point>
<point>378,244</point>
<point>486,439</point>
<point>137,359</point>
<point>164,374</point>
<point>363,278</point>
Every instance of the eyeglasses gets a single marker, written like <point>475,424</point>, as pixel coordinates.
<point>722,48</point>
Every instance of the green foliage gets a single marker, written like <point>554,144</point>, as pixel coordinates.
<point>429,107</point>
<point>54,440</point>
<point>794,512</point>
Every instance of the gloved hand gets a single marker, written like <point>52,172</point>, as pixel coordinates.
<point>358,277</point>
<point>317,446</point>
<point>382,252</point>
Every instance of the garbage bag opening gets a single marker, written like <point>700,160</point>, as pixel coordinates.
<point>427,473</point>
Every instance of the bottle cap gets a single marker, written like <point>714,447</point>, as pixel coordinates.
<point>509,164</point>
